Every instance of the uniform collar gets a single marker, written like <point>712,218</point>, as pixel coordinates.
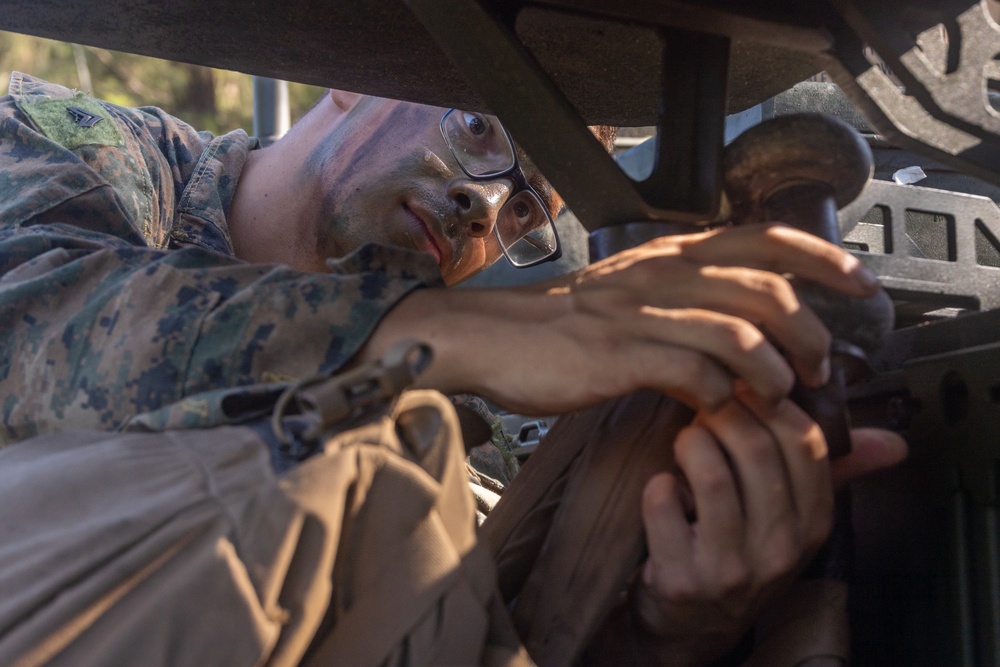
<point>202,211</point>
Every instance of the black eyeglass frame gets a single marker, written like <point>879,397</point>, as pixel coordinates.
<point>516,176</point>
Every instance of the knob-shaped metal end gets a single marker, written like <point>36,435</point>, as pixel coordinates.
<point>792,150</point>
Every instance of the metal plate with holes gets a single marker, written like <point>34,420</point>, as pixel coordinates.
<point>931,247</point>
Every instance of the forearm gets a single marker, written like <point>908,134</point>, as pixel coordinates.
<point>474,334</point>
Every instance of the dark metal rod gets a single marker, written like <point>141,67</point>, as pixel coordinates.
<point>270,109</point>
<point>687,173</point>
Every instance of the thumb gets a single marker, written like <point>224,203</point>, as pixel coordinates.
<point>872,450</point>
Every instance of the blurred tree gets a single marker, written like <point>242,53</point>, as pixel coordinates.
<point>209,99</point>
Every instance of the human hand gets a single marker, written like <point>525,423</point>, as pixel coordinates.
<point>743,272</point>
<point>683,315</point>
<point>752,508</point>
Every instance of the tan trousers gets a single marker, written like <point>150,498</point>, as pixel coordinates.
<point>184,548</point>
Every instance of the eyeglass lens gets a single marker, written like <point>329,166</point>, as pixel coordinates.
<point>479,143</point>
<point>524,230</point>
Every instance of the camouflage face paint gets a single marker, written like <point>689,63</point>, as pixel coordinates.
<point>387,177</point>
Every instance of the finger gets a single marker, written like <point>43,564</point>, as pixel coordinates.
<point>606,353</point>
<point>668,534</point>
<point>872,450</point>
<point>695,379</point>
<point>759,464</point>
<point>782,249</point>
<point>769,300</point>
<point>731,341</point>
<point>616,323</point>
<point>803,454</point>
<point>688,375</point>
<point>720,525</point>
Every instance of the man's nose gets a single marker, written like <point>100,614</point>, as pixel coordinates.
<point>479,203</point>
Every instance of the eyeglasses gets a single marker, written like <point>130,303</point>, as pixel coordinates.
<point>485,151</point>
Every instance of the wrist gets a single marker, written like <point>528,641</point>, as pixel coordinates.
<point>624,640</point>
<point>475,335</point>
<point>675,642</point>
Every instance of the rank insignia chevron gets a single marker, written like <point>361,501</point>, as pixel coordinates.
<point>84,118</point>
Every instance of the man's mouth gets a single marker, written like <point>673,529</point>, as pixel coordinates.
<point>422,224</point>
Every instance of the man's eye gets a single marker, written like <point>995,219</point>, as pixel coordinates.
<point>476,124</point>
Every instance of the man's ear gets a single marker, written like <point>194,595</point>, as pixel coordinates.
<point>344,100</point>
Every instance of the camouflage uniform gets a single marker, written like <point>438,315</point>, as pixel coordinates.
<point>120,294</point>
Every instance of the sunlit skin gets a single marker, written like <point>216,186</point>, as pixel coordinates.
<point>381,173</point>
<point>710,319</point>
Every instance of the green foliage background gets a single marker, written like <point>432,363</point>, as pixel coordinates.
<point>209,99</point>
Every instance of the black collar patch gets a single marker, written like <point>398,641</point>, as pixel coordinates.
<point>84,118</point>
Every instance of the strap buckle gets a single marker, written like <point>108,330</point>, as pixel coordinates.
<point>323,401</point>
